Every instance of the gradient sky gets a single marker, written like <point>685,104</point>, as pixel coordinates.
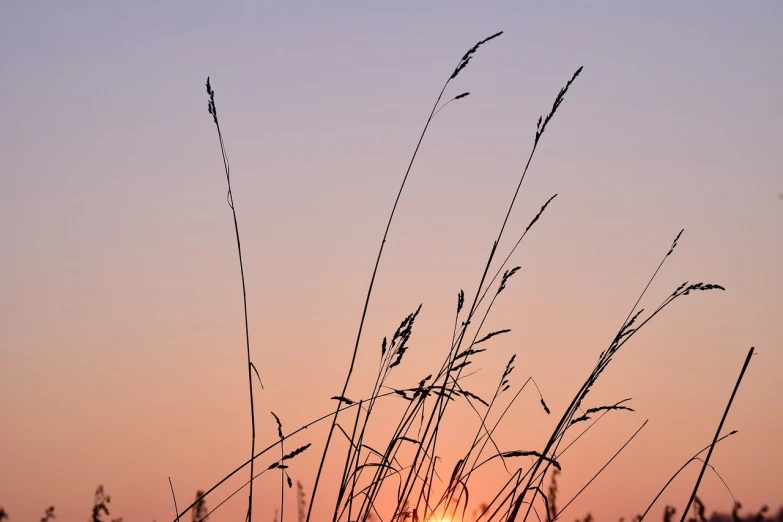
<point>121,339</point>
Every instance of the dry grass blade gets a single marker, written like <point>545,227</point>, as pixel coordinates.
<point>174,497</point>
<point>257,375</point>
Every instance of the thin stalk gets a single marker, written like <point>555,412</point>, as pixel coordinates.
<point>717,434</point>
<point>250,366</point>
<point>174,497</point>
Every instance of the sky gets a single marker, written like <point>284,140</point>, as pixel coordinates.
<point>122,357</point>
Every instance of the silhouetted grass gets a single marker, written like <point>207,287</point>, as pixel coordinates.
<point>212,109</point>
<point>699,514</point>
<point>48,514</point>
<point>350,458</point>
<point>200,510</point>
<point>402,466</point>
<point>100,506</point>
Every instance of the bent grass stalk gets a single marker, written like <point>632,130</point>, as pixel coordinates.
<point>671,479</point>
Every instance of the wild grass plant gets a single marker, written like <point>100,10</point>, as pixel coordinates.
<point>404,465</point>
<point>400,477</point>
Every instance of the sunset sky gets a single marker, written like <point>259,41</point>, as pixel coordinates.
<point>122,357</point>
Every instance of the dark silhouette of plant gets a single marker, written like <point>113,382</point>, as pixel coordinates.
<point>284,477</point>
<point>463,62</point>
<point>480,509</point>
<point>250,366</point>
<point>101,506</point>
<point>698,510</point>
<point>717,435</point>
<point>553,494</point>
<point>404,467</point>
<point>174,499</point>
<point>301,502</point>
<point>49,514</point>
<point>734,516</point>
<point>102,501</point>
<point>735,512</point>
<point>200,509</point>
<point>700,514</point>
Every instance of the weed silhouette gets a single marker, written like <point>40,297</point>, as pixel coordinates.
<point>370,469</point>
<point>401,477</point>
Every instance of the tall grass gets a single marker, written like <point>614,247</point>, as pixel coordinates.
<point>396,478</point>
<point>211,107</point>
